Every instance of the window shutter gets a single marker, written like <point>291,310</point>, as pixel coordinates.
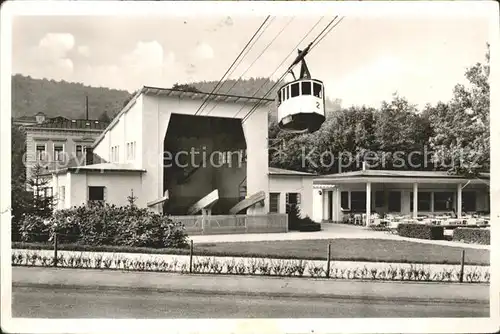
<point>105,193</point>
<point>298,198</point>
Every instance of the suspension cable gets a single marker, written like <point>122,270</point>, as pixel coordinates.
<point>238,64</point>
<point>214,89</point>
<point>312,45</point>
<point>282,62</point>
<point>258,57</point>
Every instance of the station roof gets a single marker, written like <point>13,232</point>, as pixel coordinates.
<point>157,91</point>
<point>147,90</point>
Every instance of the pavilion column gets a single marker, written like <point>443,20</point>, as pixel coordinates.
<point>459,200</point>
<point>325,204</point>
<point>368,202</point>
<point>415,200</point>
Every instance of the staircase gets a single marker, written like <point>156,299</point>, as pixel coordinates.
<point>242,187</point>
<point>186,174</point>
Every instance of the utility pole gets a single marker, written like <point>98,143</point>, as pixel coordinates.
<point>87,107</point>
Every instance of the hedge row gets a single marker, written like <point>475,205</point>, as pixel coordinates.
<point>250,266</point>
<point>421,231</point>
<point>472,235</point>
<point>106,225</point>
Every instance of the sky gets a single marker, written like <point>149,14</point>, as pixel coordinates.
<point>363,60</point>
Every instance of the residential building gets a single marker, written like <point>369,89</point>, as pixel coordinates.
<point>55,142</point>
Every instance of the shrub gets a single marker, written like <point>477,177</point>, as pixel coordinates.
<point>472,235</point>
<point>297,223</point>
<point>108,225</point>
<point>379,228</point>
<point>33,229</point>
<point>421,231</point>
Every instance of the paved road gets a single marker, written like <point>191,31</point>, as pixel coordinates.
<point>72,293</point>
<point>91,303</point>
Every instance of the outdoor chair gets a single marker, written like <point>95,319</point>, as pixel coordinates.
<point>358,219</point>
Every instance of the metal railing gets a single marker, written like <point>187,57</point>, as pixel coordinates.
<point>234,224</point>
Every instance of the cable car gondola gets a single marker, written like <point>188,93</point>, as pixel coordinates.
<point>301,103</point>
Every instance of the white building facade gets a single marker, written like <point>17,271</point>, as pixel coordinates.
<point>134,148</point>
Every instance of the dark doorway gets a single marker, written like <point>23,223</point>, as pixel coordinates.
<point>203,154</point>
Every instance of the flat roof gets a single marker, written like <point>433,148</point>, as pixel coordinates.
<point>102,167</point>
<point>148,90</point>
<point>398,173</point>
<point>158,91</point>
<point>280,171</point>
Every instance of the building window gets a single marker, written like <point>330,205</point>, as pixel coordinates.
<point>424,201</point>
<point>62,195</point>
<point>317,90</point>
<point>79,150</point>
<point>115,154</point>
<point>41,152</point>
<point>443,201</point>
<point>344,200</point>
<point>292,199</point>
<point>306,88</point>
<point>358,201</point>
<point>469,201</point>
<point>274,202</point>
<point>45,192</point>
<point>295,89</point>
<point>96,194</point>
<point>58,152</point>
<point>379,199</point>
<point>394,202</point>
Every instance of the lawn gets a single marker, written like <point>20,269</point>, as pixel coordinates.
<point>372,250</point>
<point>353,250</point>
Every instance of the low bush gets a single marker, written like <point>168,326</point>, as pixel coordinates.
<point>421,231</point>
<point>379,228</point>
<point>107,225</point>
<point>472,235</point>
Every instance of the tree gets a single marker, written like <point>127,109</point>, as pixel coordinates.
<point>461,137</point>
<point>127,100</point>
<point>21,199</point>
<point>186,88</point>
<point>43,199</point>
<point>104,117</point>
<point>400,135</point>
<point>131,199</point>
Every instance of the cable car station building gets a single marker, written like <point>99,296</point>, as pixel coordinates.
<point>187,162</point>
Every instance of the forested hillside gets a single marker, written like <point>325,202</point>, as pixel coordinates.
<point>67,99</point>
<point>62,98</point>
